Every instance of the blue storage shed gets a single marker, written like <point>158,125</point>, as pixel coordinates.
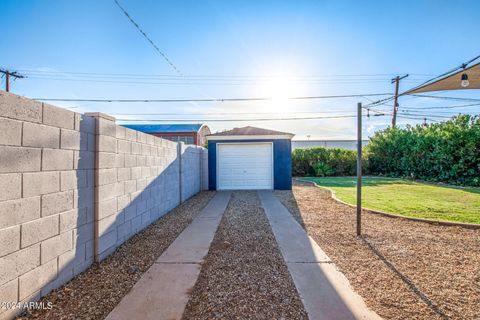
<point>250,158</point>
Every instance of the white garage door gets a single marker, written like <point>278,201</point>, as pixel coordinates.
<point>244,166</point>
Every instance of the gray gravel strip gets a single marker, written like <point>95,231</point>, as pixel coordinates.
<point>403,269</point>
<point>244,275</point>
<point>94,293</point>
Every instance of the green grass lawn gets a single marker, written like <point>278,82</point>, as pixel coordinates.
<point>408,198</point>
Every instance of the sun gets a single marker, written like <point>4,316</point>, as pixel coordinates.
<point>279,90</point>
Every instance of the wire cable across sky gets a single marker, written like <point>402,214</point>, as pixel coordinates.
<point>164,56</point>
<point>215,99</point>
<point>241,119</point>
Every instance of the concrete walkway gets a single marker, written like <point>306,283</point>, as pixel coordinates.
<point>325,292</point>
<point>163,291</point>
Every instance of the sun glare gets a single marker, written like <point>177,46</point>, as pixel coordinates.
<point>280,89</point>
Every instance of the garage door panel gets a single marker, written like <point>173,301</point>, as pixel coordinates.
<point>245,166</point>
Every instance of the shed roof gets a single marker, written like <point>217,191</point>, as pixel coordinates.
<point>251,131</point>
<point>184,127</point>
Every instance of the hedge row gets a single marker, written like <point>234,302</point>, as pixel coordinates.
<point>447,152</point>
<point>320,161</point>
<point>444,152</point>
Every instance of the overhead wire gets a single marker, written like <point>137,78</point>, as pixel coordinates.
<point>228,113</point>
<point>202,76</point>
<point>148,38</point>
<point>210,82</point>
<point>443,107</point>
<point>417,118</point>
<point>445,97</point>
<point>211,99</point>
<point>241,119</point>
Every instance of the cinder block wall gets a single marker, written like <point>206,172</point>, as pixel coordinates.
<point>73,188</point>
<point>191,157</point>
<point>138,180</point>
<point>204,169</point>
<point>46,197</point>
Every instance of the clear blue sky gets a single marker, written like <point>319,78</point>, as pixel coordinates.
<point>248,38</point>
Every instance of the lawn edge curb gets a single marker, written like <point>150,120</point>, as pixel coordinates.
<point>392,215</point>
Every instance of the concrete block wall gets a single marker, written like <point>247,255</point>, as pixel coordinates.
<point>191,157</point>
<point>138,180</point>
<point>46,197</point>
<point>204,169</point>
<point>73,188</point>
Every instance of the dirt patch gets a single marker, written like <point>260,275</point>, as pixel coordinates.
<point>94,293</point>
<point>403,269</point>
<point>244,275</point>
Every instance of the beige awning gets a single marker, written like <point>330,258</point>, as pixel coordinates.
<point>451,82</point>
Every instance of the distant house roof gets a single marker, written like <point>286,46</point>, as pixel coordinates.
<point>249,133</point>
<point>184,127</point>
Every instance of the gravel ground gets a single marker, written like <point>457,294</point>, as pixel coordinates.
<point>403,269</point>
<point>94,293</point>
<point>244,275</point>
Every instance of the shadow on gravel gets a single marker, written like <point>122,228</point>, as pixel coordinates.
<point>410,284</point>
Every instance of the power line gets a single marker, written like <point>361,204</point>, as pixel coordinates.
<point>386,100</point>
<point>444,97</point>
<point>409,113</point>
<point>212,99</point>
<point>222,76</point>
<point>443,107</point>
<point>236,80</point>
<point>416,118</point>
<point>148,38</point>
<point>234,120</point>
<point>199,82</point>
<point>379,102</point>
<point>227,113</point>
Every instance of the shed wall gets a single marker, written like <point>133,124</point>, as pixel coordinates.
<point>282,162</point>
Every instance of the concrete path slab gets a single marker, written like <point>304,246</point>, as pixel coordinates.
<point>163,291</point>
<point>325,291</point>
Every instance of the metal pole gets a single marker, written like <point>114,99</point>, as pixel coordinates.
<point>359,169</point>
<point>7,81</point>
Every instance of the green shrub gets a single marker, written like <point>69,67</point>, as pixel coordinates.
<point>447,152</point>
<point>322,169</point>
<point>341,162</point>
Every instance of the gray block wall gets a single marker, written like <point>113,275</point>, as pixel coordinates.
<point>204,169</point>
<point>138,180</point>
<point>73,188</point>
<point>191,157</point>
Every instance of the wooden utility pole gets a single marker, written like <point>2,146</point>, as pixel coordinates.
<point>359,169</point>
<point>395,100</point>
<point>7,74</point>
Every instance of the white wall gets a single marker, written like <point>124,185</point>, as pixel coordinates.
<point>342,144</point>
